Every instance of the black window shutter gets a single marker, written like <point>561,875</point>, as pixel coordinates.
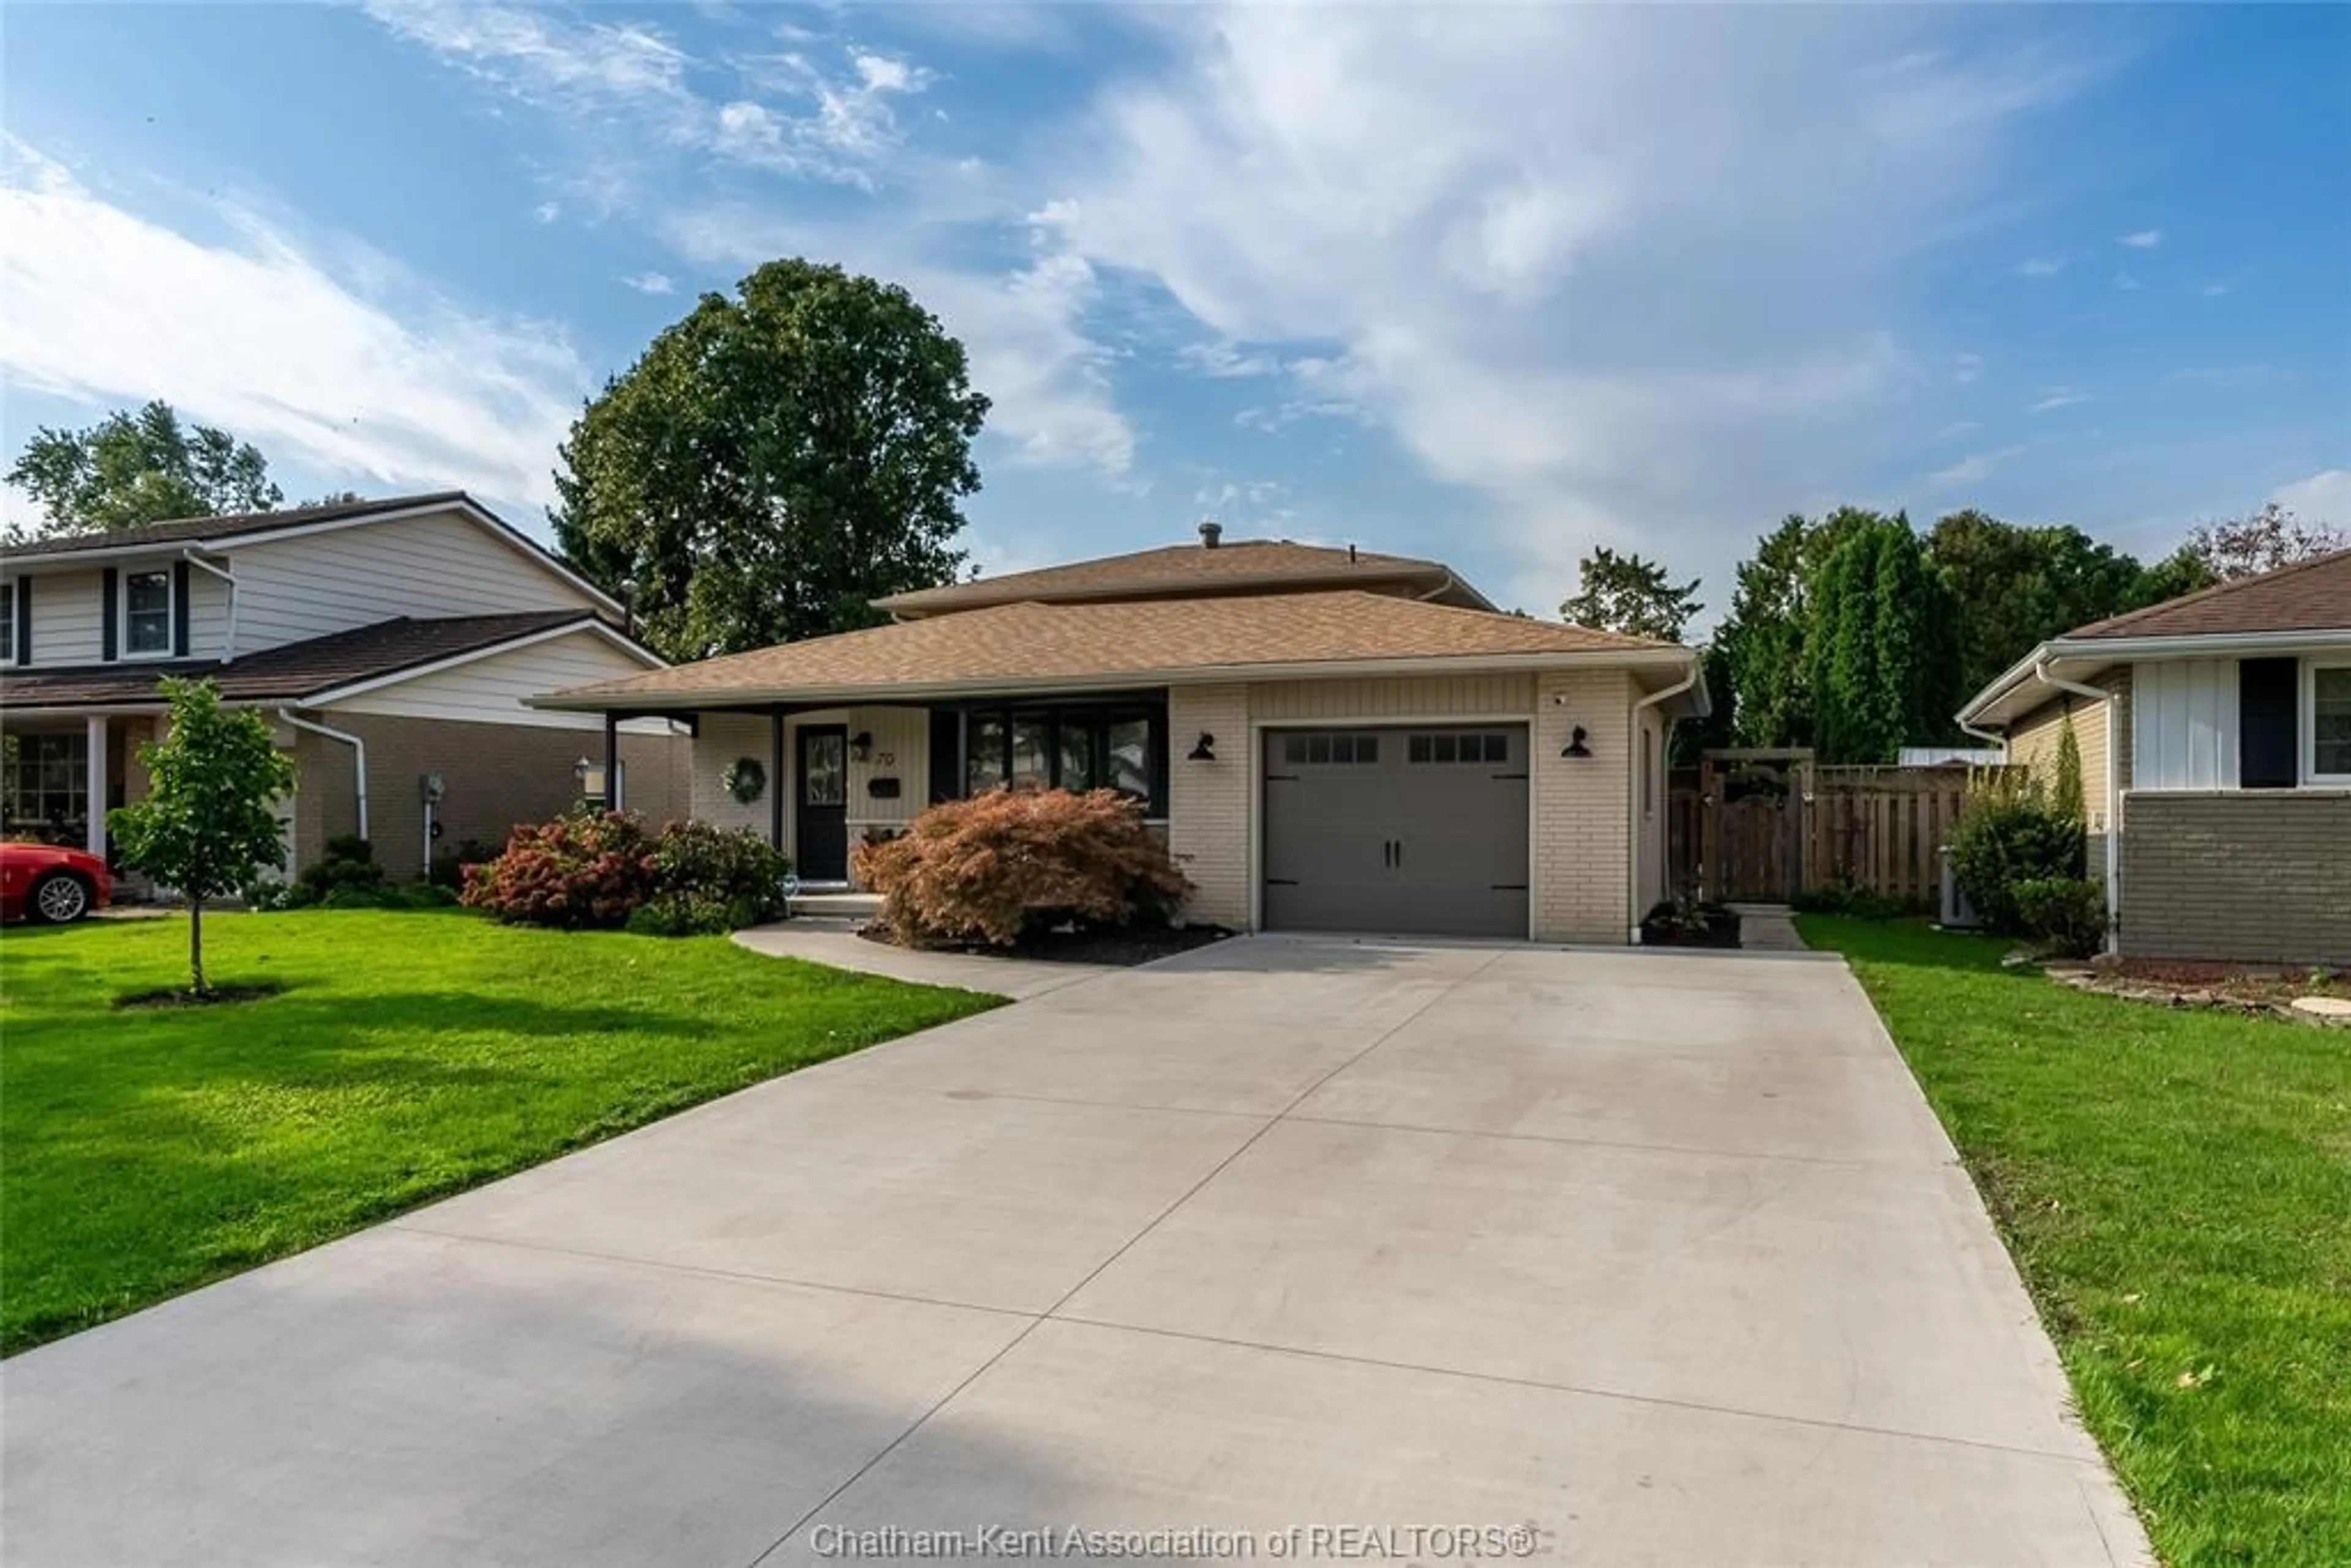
<point>22,652</point>
<point>2269,713</point>
<point>179,610</point>
<point>946,754</point>
<point>108,612</point>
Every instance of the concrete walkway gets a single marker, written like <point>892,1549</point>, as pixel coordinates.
<point>1657,1257</point>
<point>841,946</point>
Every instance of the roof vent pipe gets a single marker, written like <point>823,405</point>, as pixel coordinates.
<point>1210,532</point>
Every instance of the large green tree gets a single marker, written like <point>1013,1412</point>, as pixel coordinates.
<point>2015,587</point>
<point>1883,648</point>
<point>140,467</point>
<point>1629,594</point>
<point>773,462</point>
<point>209,819</point>
<point>1765,638</point>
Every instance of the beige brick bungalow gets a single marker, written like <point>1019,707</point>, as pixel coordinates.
<point>1330,740</point>
<point>2215,733</point>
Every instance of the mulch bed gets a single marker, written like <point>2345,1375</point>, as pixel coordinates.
<point>1139,944</point>
<point>2256,988</point>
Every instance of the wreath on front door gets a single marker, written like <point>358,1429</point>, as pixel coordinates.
<point>744,780</point>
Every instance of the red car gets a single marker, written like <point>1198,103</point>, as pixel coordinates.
<point>44,882</point>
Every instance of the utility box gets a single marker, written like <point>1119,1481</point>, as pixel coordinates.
<point>1957,914</point>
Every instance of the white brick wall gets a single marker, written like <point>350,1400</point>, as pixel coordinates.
<point>1583,824</point>
<point>1209,802</point>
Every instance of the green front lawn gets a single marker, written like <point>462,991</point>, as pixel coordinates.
<point>409,1055</point>
<point>2176,1188</point>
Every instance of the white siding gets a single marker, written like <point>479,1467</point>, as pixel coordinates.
<point>492,690</point>
<point>440,564</point>
<point>207,614</point>
<point>1408,696</point>
<point>68,617</point>
<point>901,750</point>
<point>724,737</point>
<point>2184,725</point>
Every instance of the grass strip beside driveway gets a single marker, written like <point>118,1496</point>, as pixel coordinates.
<point>2175,1186</point>
<point>409,1056</point>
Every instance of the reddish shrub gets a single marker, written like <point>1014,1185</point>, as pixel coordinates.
<point>588,868</point>
<point>987,869</point>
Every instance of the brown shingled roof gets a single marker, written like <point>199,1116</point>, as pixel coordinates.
<point>291,672</point>
<point>2313,595</point>
<point>1239,566</point>
<point>1104,643</point>
<point>231,525</point>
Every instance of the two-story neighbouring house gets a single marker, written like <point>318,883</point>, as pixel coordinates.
<point>387,640</point>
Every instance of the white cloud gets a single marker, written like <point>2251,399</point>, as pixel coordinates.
<point>541,58</point>
<point>627,86</point>
<point>1966,368</point>
<point>2214,291</point>
<point>2125,282</point>
<point>369,377</point>
<point>2144,239</point>
<point>546,212</point>
<point>2040,266</point>
<point>2054,398</point>
<point>1976,466</point>
<point>2324,497</point>
<point>1954,431</point>
<point>1584,260</point>
<point>1225,361</point>
<point>652,283</point>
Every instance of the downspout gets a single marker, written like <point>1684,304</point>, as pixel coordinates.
<point>1632,792</point>
<point>2114,805</point>
<point>1992,736</point>
<point>359,756</point>
<point>229,649</point>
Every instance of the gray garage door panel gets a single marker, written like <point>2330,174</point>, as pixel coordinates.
<point>1408,830</point>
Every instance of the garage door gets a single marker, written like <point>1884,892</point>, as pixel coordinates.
<point>1418,830</point>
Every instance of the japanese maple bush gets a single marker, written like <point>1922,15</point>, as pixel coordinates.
<point>985,870</point>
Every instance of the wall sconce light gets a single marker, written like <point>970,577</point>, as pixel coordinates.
<point>1576,747</point>
<point>579,771</point>
<point>860,744</point>
<point>1204,750</point>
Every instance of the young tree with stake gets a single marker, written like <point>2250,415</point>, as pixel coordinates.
<point>210,818</point>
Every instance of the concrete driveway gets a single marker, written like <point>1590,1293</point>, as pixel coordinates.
<point>1625,1257</point>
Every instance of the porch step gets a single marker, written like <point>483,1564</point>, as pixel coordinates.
<point>845,905</point>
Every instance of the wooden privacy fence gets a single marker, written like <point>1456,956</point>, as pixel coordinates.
<point>1768,825</point>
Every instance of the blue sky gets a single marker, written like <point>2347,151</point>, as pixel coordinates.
<point>1490,285</point>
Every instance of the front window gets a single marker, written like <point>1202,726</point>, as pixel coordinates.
<point>45,788</point>
<point>1032,752</point>
<point>8,620</point>
<point>1074,748</point>
<point>2330,722</point>
<point>147,613</point>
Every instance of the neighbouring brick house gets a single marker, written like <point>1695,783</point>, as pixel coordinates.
<point>1330,740</point>
<point>2215,733</point>
<point>386,641</point>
